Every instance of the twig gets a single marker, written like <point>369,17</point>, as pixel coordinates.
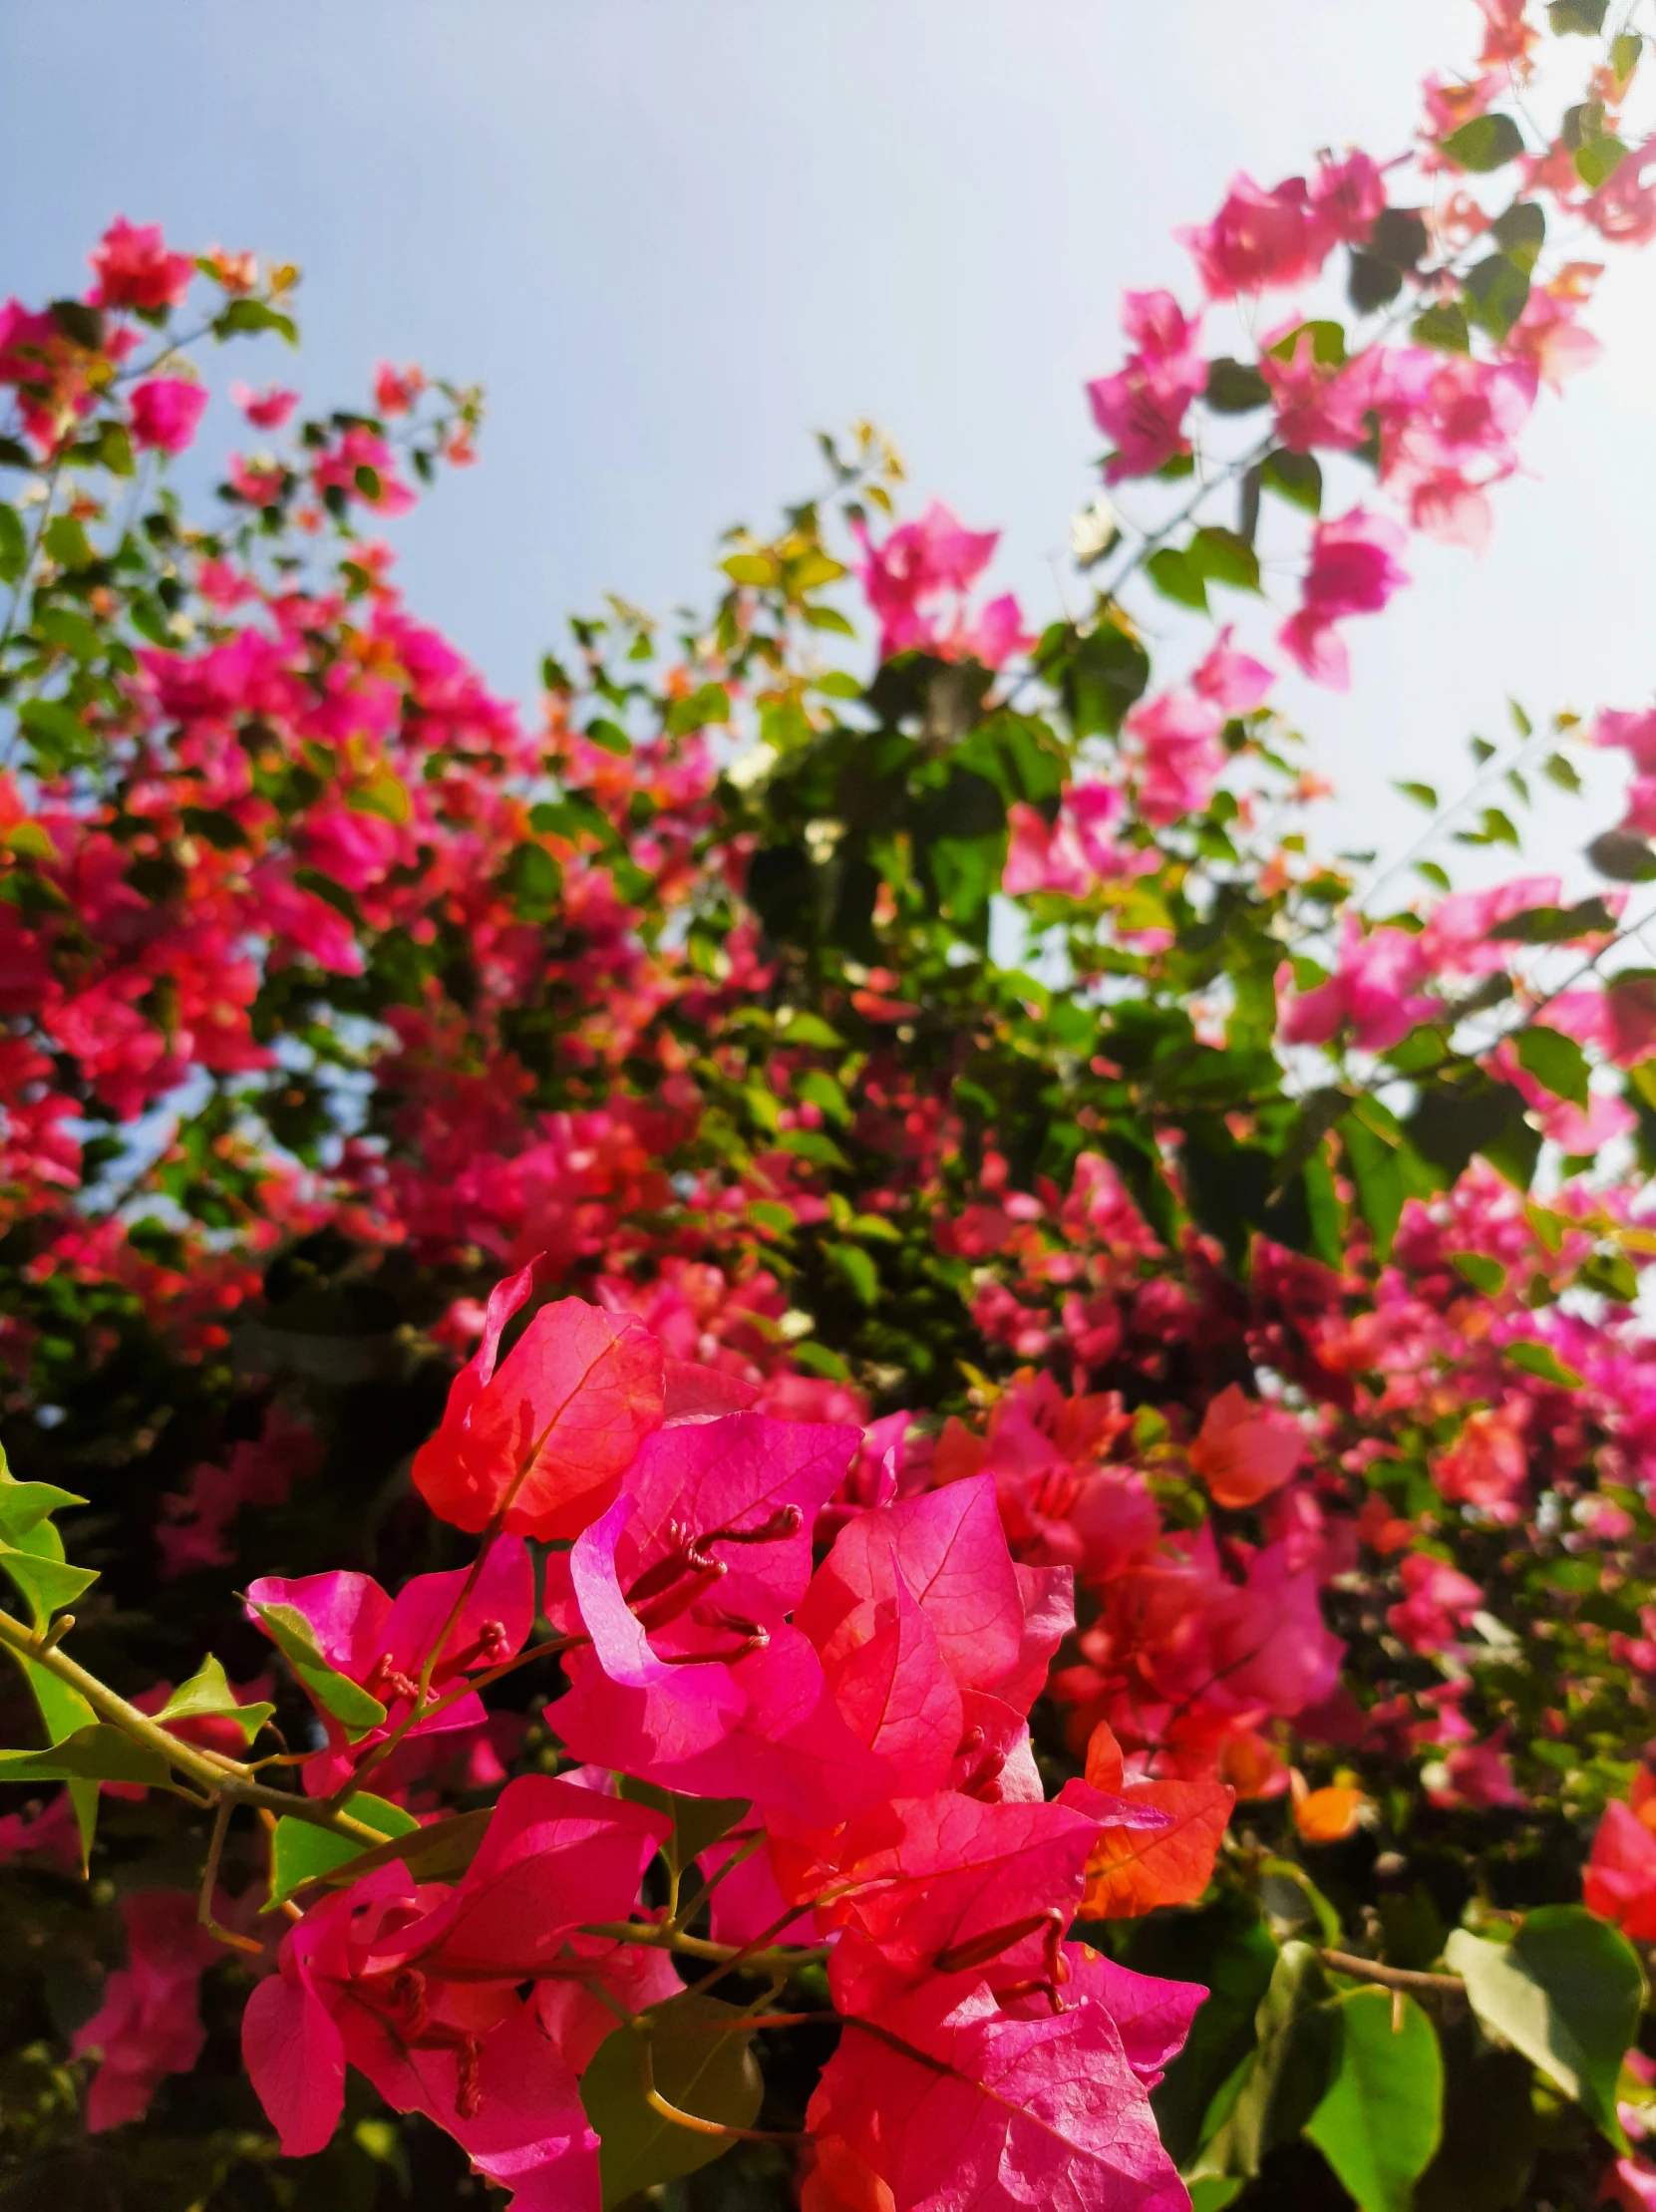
<point>1392,1977</point>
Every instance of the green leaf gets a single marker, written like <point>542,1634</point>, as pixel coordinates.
<point>1215,2191</point>
<point>1555,925</point>
<point>1221,557</point>
<point>697,1822</point>
<point>534,879</point>
<point>1422,793</point>
<point>1623,856</point>
<point>1483,1274</point>
<point>1520,234</point>
<point>1288,1894</point>
<point>45,1584</point>
<point>441,1851</point>
<point>1488,2143</point>
<point>1453,1118</point>
<point>1496,292</point>
<point>355,1711</point>
<point>1328,343</point>
<point>99,1754</point>
<point>300,1851</point>
<point>1555,1060</point>
<point>1373,1156</point>
<point>1372,282</point>
<point>14,546</point>
<point>1567,1991</point>
<point>1442,326</point>
<point>1486,143</point>
<point>63,1712</point>
<point>1298,2033</point>
<point>208,1693</point>
<point>56,731</point>
<point>384,794</point>
<point>1585,18</point>
<point>858,1269</point>
<point>710,2075</point>
<point>1296,477</point>
<point>1235,387</point>
<point>1176,576</point>
<point>249,316</point>
<point>811,1144</point>
<point>24,1506</point>
<point>1228,1947</point>
<point>758,571</point>
<point>67,543</point>
<point>1598,160</point>
<point>709,704</point>
<point>1381,2121</point>
<point>1107,674</point>
<point>1541,1359</point>
<point>811,1029</point>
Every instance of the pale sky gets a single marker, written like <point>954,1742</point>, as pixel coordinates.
<point>673,237</point>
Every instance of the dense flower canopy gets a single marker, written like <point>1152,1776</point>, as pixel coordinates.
<point>916,1469</point>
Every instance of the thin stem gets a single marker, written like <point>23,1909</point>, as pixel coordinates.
<point>205,1770</point>
<point>692,2121</point>
<point>744,1850</point>
<point>209,1878</point>
<point>1391,1977</point>
<point>213,1773</point>
<point>748,1955</point>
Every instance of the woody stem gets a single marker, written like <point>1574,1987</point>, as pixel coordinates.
<point>658,2103</point>
<point>218,1777</point>
<point>1391,1977</point>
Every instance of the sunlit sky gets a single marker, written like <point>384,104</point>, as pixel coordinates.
<point>675,236</point>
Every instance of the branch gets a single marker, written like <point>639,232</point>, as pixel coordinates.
<point>1392,1977</point>
<point>658,2103</point>
<point>224,1780</point>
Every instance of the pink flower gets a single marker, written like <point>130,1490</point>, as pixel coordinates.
<point>134,268</point>
<point>1245,1451</point>
<point>259,483</point>
<point>1620,1880</point>
<point>1371,993</point>
<point>166,411</point>
<point>909,578</point>
<point>149,2022</point>
<point>53,1831</point>
<point>1354,570</point>
<point>418,1987</point>
<point>362,467</point>
<point>1348,197</point>
<point>266,410</point>
<point>1261,239</point>
<point>394,392</point>
<point>355,849</point>
<point>1143,407</point>
<point>1634,732</point>
<point>1436,1602</point>
<point>1479,1776</point>
<point>1232,681</point>
<point>1075,853</point>
<point>1182,759</point>
<point>1005,2106</point>
<point>383,1644</point>
<point>1549,341</point>
<point>1489,1463</point>
<point>1457,940</point>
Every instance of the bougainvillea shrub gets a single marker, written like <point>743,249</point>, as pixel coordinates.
<point>809,1430</point>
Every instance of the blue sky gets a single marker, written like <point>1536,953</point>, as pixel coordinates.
<point>674,236</point>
